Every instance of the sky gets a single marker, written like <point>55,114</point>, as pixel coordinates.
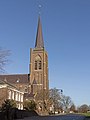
<point>66,33</point>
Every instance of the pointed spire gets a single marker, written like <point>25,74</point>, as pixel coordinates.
<point>39,37</point>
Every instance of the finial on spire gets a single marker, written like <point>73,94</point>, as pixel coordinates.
<point>39,6</point>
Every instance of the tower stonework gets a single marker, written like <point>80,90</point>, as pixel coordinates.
<point>39,64</point>
<point>34,85</point>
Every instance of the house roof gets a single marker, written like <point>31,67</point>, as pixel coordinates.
<point>2,82</point>
<point>29,95</point>
<point>16,78</point>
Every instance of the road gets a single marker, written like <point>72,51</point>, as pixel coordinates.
<point>60,117</point>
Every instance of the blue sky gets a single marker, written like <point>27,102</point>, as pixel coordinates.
<point>66,33</point>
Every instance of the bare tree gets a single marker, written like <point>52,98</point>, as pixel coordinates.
<point>73,108</point>
<point>66,103</point>
<point>59,101</point>
<point>3,59</point>
<point>83,108</point>
<point>41,98</point>
<point>54,95</point>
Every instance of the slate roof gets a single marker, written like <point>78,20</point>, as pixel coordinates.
<point>2,82</point>
<point>13,79</point>
<point>39,37</point>
<point>29,95</point>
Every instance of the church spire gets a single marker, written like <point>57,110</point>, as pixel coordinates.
<point>39,37</point>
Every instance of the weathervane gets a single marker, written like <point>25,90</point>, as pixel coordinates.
<point>39,8</point>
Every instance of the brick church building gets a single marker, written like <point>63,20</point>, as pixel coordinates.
<point>36,81</point>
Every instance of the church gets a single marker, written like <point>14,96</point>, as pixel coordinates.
<point>36,81</point>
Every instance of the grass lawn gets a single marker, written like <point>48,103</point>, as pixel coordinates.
<point>86,114</point>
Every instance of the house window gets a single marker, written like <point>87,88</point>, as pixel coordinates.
<point>9,95</point>
<point>13,95</point>
<point>40,65</point>
<point>16,96</point>
<point>21,98</point>
<point>21,106</point>
<point>35,65</point>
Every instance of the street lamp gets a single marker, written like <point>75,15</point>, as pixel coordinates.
<point>61,91</point>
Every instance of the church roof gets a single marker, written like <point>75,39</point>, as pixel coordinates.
<point>39,37</point>
<point>16,78</point>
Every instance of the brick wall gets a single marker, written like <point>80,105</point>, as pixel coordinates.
<point>3,95</point>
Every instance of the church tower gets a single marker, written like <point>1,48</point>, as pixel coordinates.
<point>39,64</point>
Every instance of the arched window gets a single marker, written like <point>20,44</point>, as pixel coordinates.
<point>40,65</point>
<point>35,65</point>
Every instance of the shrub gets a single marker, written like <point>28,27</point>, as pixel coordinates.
<point>30,105</point>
